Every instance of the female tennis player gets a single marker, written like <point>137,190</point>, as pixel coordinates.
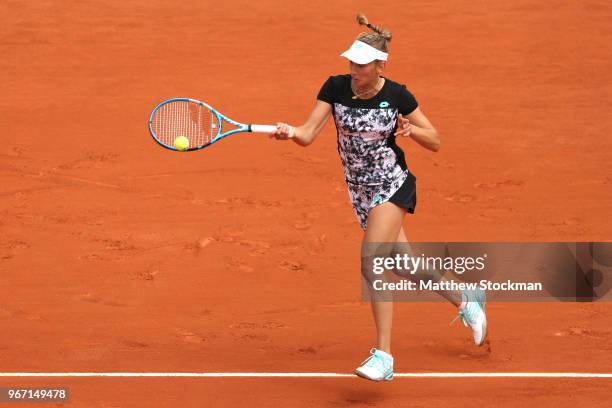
<point>370,111</point>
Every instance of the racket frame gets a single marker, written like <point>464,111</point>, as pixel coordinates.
<point>240,127</point>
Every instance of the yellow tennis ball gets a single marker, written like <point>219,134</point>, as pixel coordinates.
<point>181,143</point>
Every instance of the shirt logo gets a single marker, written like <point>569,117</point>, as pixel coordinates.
<point>384,104</point>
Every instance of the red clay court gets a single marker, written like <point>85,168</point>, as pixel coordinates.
<point>119,256</point>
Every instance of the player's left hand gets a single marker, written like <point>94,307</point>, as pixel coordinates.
<point>403,126</point>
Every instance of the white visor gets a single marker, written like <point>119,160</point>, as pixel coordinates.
<point>362,53</point>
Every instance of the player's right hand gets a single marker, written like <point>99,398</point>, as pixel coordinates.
<point>283,131</point>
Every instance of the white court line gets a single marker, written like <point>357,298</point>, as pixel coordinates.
<point>315,375</point>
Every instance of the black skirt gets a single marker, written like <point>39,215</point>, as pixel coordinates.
<point>405,197</point>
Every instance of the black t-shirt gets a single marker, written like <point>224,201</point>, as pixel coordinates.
<point>337,89</point>
<point>366,128</point>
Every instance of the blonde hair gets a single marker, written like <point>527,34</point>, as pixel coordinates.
<point>379,39</point>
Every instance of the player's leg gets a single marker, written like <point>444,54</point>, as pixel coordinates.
<point>471,304</point>
<point>452,296</point>
<point>384,224</point>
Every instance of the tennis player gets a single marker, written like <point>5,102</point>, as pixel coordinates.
<point>370,112</point>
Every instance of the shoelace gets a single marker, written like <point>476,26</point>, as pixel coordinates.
<point>375,361</point>
<point>475,303</point>
<point>468,314</point>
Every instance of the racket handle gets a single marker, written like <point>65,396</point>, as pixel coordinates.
<point>262,128</point>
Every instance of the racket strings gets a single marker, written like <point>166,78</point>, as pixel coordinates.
<point>184,118</point>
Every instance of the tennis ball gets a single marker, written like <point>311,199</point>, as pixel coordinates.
<point>181,143</point>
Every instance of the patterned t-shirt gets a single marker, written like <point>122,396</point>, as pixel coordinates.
<point>366,128</point>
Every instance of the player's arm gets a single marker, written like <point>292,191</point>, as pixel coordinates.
<point>307,133</point>
<point>419,128</point>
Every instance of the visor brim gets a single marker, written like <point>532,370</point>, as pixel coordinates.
<point>357,58</point>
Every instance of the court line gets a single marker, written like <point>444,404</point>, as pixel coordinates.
<point>311,375</point>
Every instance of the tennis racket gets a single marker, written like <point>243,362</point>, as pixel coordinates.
<point>176,119</point>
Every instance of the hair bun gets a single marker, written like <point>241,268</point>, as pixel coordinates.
<point>361,19</point>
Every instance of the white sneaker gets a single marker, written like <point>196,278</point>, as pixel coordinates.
<point>472,313</point>
<point>377,367</point>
